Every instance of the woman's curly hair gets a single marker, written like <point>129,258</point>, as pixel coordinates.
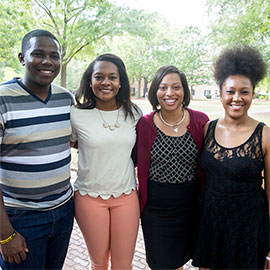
<point>244,61</point>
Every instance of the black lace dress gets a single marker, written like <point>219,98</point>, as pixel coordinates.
<point>234,228</point>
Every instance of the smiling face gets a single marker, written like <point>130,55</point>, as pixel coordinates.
<point>170,93</point>
<point>105,83</point>
<point>236,96</point>
<point>41,63</point>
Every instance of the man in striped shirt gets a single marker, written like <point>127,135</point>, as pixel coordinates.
<point>36,197</point>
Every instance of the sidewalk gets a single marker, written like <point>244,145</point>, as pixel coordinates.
<point>78,259</point>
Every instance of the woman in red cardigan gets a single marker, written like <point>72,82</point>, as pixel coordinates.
<point>169,142</point>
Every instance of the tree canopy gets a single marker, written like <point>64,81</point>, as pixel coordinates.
<point>144,40</point>
<point>78,25</point>
<point>86,28</point>
<point>245,22</point>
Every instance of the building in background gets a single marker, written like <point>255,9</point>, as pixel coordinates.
<point>198,91</point>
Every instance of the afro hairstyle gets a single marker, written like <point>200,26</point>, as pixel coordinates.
<point>244,61</point>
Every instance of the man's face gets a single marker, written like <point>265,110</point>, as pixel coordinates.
<point>41,61</point>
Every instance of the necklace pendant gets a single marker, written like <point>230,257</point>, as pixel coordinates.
<point>107,125</point>
<point>175,128</point>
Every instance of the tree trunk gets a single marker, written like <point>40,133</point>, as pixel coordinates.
<point>145,87</point>
<point>139,88</point>
<point>191,96</point>
<point>64,75</point>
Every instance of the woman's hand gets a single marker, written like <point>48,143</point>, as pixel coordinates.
<point>74,144</point>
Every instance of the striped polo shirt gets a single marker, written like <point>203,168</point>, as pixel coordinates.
<point>35,153</point>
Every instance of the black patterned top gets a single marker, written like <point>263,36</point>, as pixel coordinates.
<point>173,159</point>
<point>233,170</point>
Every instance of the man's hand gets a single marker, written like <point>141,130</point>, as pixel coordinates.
<point>15,250</point>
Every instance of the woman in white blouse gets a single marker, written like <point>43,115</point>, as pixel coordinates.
<point>106,201</point>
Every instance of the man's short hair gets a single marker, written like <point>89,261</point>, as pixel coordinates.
<point>36,33</point>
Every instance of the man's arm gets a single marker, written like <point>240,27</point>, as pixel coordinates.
<point>15,249</point>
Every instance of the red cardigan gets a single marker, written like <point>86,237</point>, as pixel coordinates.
<point>146,134</point>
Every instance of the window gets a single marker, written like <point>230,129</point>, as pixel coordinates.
<point>207,92</point>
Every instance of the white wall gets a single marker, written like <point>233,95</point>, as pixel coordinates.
<point>200,91</point>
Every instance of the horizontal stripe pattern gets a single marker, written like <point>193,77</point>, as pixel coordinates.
<point>56,100</point>
<point>34,193</point>
<point>36,135</point>
<point>31,135</point>
<point>28,114</point>
<point>47,204</point>
<point>35,120</point>
<point>48,179</point>
<point>30,149</point>
<point>35,154</point>
<point>34,167</point>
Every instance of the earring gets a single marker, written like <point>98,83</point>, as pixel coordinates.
<point>158,107</point>
<point>119,85</point>
<point>183,104</point>
<point>90,85</point>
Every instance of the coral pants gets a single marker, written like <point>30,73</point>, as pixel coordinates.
<point>109,228</point>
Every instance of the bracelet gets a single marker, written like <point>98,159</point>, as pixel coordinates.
<point>267,258</point>
<point>8,239</point>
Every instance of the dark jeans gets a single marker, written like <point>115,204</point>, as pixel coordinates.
<point>47,235</point>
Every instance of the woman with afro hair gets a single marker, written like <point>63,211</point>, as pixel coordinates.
<point>234,229</point>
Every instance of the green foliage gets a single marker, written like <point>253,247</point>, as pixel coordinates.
<point>239,22</point>
<point>77,24</point>
<point>14,21</point>
<point>145,51</point>
<point>80,25</point>
<point>191,55</point>
<point>86,28</point>
<point>145,54</point>
<point>245,22</point>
